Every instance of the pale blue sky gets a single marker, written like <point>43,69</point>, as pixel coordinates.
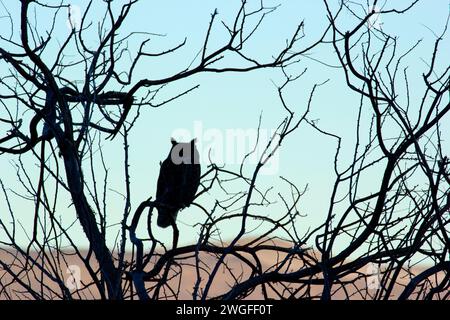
<point>228,101</point>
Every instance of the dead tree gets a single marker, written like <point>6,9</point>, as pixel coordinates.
<point>391,227</point>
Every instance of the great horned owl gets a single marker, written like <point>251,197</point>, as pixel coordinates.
<point>178,181</point>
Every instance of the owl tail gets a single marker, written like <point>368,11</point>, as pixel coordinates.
<point>165,217</point>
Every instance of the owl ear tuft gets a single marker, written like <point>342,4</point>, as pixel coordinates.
<point>173,141</point>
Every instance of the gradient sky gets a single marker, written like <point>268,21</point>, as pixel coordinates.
<point>235,101</point>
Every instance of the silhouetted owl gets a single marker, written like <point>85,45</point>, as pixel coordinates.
<point>178,181</point>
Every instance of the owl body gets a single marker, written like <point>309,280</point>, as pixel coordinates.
<point>178,181</point>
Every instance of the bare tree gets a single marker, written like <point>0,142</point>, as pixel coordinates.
<point>402,221</point>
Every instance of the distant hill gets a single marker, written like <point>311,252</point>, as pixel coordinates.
<point>183,278</point>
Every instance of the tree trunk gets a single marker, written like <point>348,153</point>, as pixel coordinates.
<point>88,221</point>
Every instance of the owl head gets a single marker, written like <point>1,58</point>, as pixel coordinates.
<point>184,152</point>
